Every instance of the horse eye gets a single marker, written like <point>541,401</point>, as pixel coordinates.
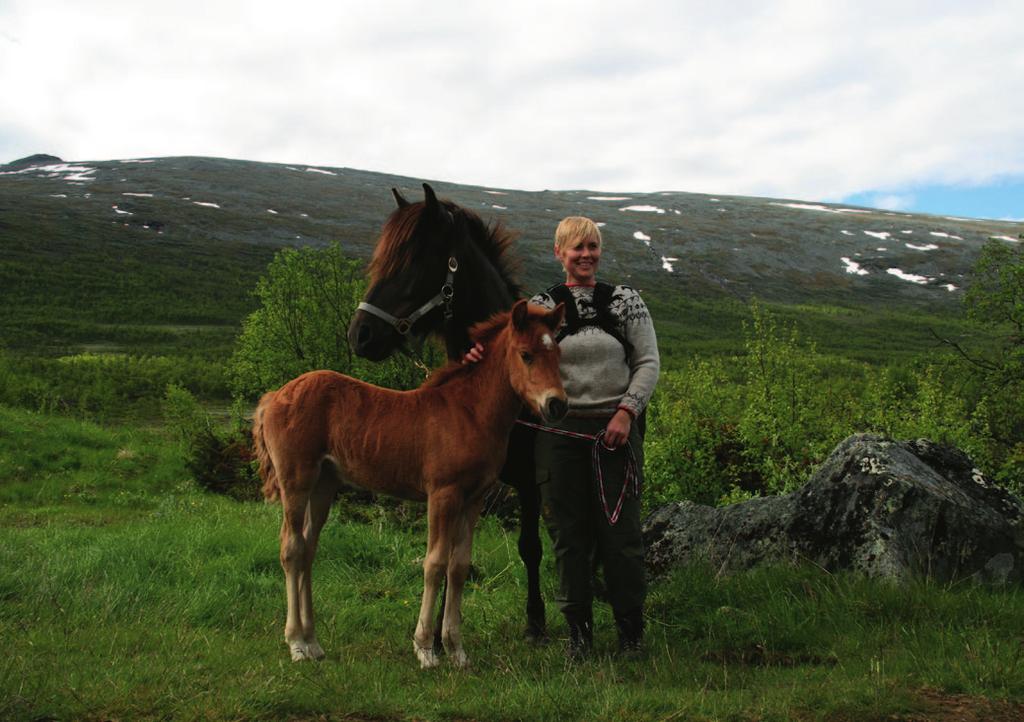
<point>526,356</point>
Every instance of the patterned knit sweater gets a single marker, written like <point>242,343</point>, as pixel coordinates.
<point>595,372</point>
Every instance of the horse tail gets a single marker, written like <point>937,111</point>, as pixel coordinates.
<point>271,490</point>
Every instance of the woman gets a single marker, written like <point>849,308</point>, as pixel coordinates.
<point>609,367</point>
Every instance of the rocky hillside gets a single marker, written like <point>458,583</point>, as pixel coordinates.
<point>183,211</point>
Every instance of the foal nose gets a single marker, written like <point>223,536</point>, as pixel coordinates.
<point>556,409</point>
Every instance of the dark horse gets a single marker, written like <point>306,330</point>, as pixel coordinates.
<point>439,269</point>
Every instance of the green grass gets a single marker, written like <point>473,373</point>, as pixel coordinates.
<point>127,594</point>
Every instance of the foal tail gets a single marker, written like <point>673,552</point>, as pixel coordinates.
<point>271,490</point>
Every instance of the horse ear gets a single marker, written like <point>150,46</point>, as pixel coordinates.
<point>555,318</point>
<point>430,198</point>
<point>434,208</point>
<point>520,315</point>
<point>402,203</point>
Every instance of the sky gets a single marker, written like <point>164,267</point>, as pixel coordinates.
<point>913,106</point>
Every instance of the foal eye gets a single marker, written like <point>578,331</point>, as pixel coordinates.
<point>526,356</point>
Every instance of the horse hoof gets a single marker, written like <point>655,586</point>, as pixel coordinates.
<point>305,650</point>
<point>536,635</point>
<point>428,658</point>
<point>459,659</point>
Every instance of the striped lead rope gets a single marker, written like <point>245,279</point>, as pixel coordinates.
<point>631,483</point>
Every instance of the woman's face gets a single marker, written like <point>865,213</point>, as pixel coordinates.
<point>579,258</point>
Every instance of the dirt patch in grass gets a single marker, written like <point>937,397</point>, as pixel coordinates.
<point>942,707</point>
<point>938,706</point>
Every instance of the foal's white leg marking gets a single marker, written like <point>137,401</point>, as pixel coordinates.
<point>428,657</point>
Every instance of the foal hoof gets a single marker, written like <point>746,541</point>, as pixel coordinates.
<point>428,657</point>
<point>306,650</point>
<point>459,658</point>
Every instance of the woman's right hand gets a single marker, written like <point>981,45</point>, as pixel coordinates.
<point>474,355</point>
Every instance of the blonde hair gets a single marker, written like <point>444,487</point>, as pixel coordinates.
<point>576,228</point>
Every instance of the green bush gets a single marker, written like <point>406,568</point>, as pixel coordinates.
<point>306,302</point>
<point>103,386</point>
<point>723,429</point>
<point>219,460</point>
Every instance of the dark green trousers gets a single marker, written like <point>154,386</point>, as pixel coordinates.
<point>577,523</point>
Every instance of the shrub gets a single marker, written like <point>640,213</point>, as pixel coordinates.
<point>219,460</point>
<point>307,299</point>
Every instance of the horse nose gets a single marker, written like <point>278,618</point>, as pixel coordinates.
<point>556,409</point>
<point>359,337</point>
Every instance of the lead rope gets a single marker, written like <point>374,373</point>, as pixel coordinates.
<point>631,482</point>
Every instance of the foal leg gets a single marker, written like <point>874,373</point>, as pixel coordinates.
<point>460,558</point>
<point>441,506</point>
<point>318,508</point>
<point>296,576</point>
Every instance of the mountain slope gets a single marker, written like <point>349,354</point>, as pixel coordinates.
<point>181,240</point>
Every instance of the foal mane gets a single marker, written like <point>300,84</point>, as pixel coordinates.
<point>484,332</point>
<point>395,255</point>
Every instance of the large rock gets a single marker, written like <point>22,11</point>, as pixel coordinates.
<point>885,508</point>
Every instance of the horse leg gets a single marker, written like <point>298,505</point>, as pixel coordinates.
<point>318,508</point>
<point>458,569</point>
<point>296,574</point>
<point>442,505</point>
<point>530,551</point>
<point>520,472</point>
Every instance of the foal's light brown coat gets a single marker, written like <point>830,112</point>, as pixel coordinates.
<point>443,443</point>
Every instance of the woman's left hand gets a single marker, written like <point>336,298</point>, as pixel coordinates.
<point>617,432</point>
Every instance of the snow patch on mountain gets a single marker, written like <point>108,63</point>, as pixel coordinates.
<point>913,278</point>
<point>643,209</point>
<point>853,267</point>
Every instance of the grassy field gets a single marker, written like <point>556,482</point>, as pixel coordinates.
<point>125,593</point>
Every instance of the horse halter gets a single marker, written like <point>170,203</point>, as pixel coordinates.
<point>445,296</point>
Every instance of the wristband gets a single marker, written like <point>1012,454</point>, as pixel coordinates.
<point>632,414</point>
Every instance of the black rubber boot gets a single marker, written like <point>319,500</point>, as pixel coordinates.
<point>581,635</point>
<point>631,632</point>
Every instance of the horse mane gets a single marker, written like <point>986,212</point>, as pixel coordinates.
<point>483,332</point>
<point>391,255</point>
<point>496,241</point>
<point>395,255</point>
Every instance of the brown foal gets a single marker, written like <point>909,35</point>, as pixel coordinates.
<point>443,443</point>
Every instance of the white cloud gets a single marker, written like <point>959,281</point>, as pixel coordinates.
<point>892,201</point>
<point>793,99</point>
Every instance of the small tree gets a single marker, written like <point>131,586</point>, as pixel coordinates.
<point>307,299</point>
<point>995,303</point>
<point>783,420</point>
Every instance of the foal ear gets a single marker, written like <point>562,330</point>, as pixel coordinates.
<point>402,203</point>
<point>555,318</point>
<point>520,315</point>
